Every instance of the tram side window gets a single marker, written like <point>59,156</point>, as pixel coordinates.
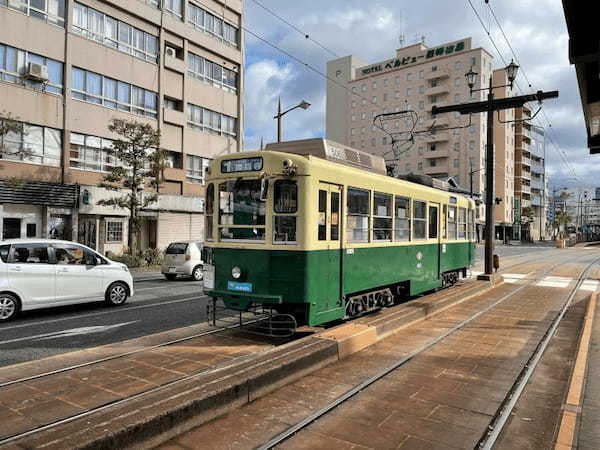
<point>402,224</point>
<point>420,219</point>
<point>322,215</point>
<point>445,222</point>
<point>433,222</point>
<point>358,215</point>
<point>471,224</point>
<point>382,217</point>
<point>285,202</point>
<point>462,223</point>
<point>210,206</point>
<point>335,217</point>
<point>452,222</point>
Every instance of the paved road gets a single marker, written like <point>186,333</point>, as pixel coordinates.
<point>158,305</point>
<point>513,250</point>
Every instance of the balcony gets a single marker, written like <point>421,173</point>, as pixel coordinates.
<point>440,89</point>
<point>523,131</point>
<point>435,154</point>
<point>442,136</point>
<point>536,201</point>
<point>525,203</point>
<point>525,188</point>
<point>436,74</point>
<point>440,168</point>
<point>536,184</point>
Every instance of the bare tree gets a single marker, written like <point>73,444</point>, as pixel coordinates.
<point>137,174</point>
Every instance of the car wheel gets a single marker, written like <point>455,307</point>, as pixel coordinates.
<point>170,276</point>
<point>117,294</point>
<point>197,273</point>
<point>9,307</point>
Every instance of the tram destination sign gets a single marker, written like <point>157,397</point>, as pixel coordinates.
<point>447,49</point>
<point>242,165</point>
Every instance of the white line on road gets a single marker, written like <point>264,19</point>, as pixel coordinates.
<point>67,333</point>
<point>112,311</point>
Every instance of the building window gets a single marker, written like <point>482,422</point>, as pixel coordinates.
<point>32,144</point>
<point>385,81</point>
<point>457,65</point>
<point>420,166</point>
<point>385,97</point>
<point>210,72</point>
<point>375,99</point>
<point>363,101</point>
<point>353,103</point>
<point>354,90</point>
<point>114,232</point>
<point>196,169</point>
<point>212,122</point>
<point>473,60</point>
<point>91,153</point>
<point>363,87</point>
<point>421,74</point>
<point>408,92</point>
<point>51,11</point>
<point>421,89</point>
<point>172,104</point>
<point>95,88</point>
<point>456,163</point>
<point>408,76</point>
<point>457,98</point>
<point>174,7</point>
<point>457,146</point>
<point>113,33</point>
<point>421,105</point>
<point>363,116</point>
<point>14,68</point>
<point>212,25</point>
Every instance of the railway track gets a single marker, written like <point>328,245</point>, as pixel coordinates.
<point>503,413</point>
<point>57,423</point>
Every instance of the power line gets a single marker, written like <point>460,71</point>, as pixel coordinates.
<point>560,151</point>
<point>306,35</point>
<point>487,30</point>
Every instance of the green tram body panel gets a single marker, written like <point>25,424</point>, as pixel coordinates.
<point>309,282</point>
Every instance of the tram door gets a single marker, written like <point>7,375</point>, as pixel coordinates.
<point>435,233</point>
<point>329,233</point>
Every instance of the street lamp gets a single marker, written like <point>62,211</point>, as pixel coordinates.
<point>303,104</point>
<point>489,107</point>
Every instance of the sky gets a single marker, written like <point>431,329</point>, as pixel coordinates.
<point>370,30</point>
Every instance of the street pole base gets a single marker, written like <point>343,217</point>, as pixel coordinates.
<point>493,278</point>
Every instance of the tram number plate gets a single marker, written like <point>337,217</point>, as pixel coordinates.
<point>209,276</point>
<point>240,287</point>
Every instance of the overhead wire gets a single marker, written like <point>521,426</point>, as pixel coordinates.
<point>291,25</point>
<point>549,128</point>
<point>559,151</point>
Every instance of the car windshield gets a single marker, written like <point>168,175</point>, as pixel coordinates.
<point>177,248</point>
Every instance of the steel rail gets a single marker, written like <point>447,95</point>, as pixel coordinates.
<point>501,417</point>
<point>121,355</point>
<point>156,389</point>
<point>283,436</point>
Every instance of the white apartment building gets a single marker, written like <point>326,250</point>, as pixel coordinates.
<point>415,79</point>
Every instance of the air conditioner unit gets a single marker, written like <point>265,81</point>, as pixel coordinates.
<point>170,51</point>
<point>37,72</point>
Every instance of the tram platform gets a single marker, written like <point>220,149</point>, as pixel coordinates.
<point>144,391</point>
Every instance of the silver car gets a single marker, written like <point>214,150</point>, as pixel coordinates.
<point>183,258</point>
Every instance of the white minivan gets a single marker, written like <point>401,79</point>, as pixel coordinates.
<point>40,273</point>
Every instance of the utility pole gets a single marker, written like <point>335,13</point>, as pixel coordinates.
<point>489,107</point>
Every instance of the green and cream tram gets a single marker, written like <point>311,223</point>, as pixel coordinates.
<point>318,230</point>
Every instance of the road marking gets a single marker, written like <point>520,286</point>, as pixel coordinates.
<point>590,285</point>
<point>557,282</point>
<point>112,311</point>
<point>72,332</point>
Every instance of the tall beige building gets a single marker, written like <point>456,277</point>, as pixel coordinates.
<point>415,79</point>
<point>68,67</point>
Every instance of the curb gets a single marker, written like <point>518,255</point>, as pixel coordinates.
<point>167,411</point>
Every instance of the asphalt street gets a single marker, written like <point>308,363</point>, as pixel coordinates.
<point>158,305</point>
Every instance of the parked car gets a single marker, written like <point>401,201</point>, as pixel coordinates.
<point>183,258</point>
<point>41,273</point>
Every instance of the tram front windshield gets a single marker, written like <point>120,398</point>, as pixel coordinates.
<point>241,207</point>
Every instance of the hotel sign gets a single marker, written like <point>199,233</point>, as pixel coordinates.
<point>399,62</point>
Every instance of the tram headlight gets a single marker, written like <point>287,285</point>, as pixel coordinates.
<point>236,273</point>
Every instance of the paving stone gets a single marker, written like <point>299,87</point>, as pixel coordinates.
<point>310,440</point>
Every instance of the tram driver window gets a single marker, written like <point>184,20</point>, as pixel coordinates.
<point>382,217</point>
<point>285,202</point>
<point>209,211</point>
<point>358,215</point>
<point>402,224</point>
<point>420,219</point>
